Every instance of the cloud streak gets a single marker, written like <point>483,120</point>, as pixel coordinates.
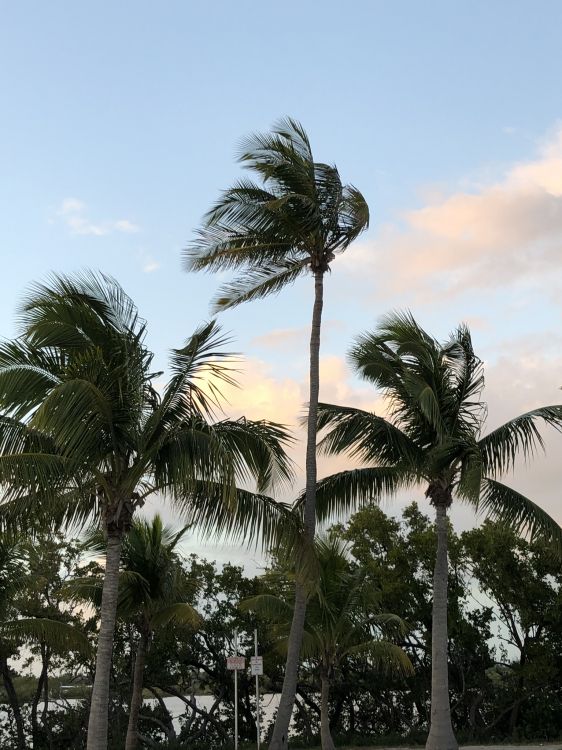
<point>74,215</point>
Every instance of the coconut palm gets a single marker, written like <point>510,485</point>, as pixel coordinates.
<point>292,221</point>
<point>16,631</point>
<point>343,619</point>
<point>431,435</point>
<point>86,431</point>
<point>153,591</point>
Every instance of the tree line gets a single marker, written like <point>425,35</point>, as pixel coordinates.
<point>505,624</point>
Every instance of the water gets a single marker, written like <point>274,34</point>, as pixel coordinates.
<point>177,707</point>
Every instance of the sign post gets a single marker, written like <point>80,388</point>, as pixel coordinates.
<point>235,663</point>
<point>235,693</point>
<point>255,670</point>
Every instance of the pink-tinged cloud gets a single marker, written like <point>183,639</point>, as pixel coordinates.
<point>504,232</point>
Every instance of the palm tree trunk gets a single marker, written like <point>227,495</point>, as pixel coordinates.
<point>131,741</point>
<point>42,690</point>
<point>13,701</point>
<point>37,697</point>
<point>279,738</point>
<point>98,722</point>
<point>441,736</point>
<point>326,740</point>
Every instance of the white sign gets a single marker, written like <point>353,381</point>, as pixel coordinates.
<point>256,663</point>
<point>235,662</point>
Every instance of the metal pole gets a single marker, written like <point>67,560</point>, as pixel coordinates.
<point>235,693</point>
<point>257,692</point>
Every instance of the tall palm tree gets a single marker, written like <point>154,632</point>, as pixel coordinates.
<point>153,591</point>
<point>85,431</point>
<point>292,221</point>
<point>343,619</point>
<point>432,435</point>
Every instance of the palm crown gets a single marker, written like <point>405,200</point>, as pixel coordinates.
<point>86,430</point>
<point>155,585</point>
<point>343,615</point>
<point>432,433</point>
<point>297,217</point>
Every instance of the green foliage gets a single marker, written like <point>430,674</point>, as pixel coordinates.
<point>432,432</point>
<point>505,626</point>
<point>84,432</point>
<point>296,217</point>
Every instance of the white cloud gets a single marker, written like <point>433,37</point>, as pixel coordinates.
<point>150,266</point>
<point>124,225</point>
<point>73,213</point>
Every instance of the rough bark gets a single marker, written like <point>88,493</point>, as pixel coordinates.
<point>98,721</point>
<point>280,736</point>
<point>441,736</point>
<point>131,741</point>
<point>14,702</point>
<point>325,736</point>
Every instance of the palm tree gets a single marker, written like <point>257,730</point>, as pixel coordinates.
<point>292,221</point>
<point>86,432</point>
<point>343,619</point>
<point>16,631</point>
<point>431,435</point>
<point>153,589</point>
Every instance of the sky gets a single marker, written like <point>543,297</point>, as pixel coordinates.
<point>120,124</point>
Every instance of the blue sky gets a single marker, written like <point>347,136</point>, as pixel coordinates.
<point>120,123</point>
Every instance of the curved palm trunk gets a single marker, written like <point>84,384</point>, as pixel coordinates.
<point>98,723</point>
<point>325,736</point>
<point>131,741</point>
<point>441,736</point>
<point>279,739</point>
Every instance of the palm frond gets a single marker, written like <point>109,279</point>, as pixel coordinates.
<point>59,635</point>
<point>256,449</point>
<point>258,282</point>
<point>268,607</point>
<point>180,612</point>
<point>199,370</point>
<point>385,656</point>
<point>504,504</point>
<point>366,436</point>
<point>348,490</point>
<point>254,519</point>
<point>519,436</point>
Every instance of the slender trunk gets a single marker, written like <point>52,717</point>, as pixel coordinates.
<point>45,714</point>
<point>42,691</point>
<point>13,701</point>
<point>131,741</point>
<point>98,721</point>
<point>279,739</point>
<point>441,736</point>
<point>326,740</point>
<point>37,696</point>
